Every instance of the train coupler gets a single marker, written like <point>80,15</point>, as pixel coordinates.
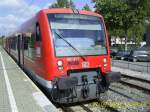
<point>85,87</point>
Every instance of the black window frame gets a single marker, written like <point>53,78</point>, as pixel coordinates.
<point>38,33</point>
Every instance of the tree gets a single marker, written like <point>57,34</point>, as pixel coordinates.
<point>124,17</point>
<point>71,4</point>
<point>86,7</point>
<point>63,4</point>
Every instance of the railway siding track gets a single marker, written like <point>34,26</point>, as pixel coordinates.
<point>135,82</point>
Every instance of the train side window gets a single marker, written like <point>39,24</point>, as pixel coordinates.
<point>26,41</point>
<point>38,33</point>
<point>31,49</point>
<point>29,45</point>
<point>13,43</point>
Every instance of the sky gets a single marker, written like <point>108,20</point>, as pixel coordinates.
<point>15,12</point>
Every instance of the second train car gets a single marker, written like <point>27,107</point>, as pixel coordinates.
<point>66,51</point>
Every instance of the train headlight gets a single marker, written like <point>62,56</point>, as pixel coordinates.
<point>60,63</point>
<point>105,60</point>
<point>105,65</point>
<point>60,68</point>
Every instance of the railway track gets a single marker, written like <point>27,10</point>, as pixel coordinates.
<point>81,107</point>
<point>135,82</point>
<point>78,108</point>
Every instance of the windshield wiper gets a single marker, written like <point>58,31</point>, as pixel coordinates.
<point>61,37</point>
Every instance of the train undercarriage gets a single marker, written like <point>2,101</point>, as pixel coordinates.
<point>81,86</point>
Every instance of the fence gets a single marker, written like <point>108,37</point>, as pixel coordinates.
<point>135,66</point>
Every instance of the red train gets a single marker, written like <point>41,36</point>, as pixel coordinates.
<point>66,51</point>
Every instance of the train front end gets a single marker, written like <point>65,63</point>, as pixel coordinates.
<point>81,62</point>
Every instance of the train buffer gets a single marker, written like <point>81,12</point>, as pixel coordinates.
<point>17,92</point>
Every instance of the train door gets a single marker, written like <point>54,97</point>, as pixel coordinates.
<point>20,50</point>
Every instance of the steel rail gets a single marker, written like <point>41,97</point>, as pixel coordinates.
<point>134,85</point>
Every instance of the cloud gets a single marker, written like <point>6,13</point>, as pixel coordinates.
<point>13,13</point>
<point>9,23</point>
<point>10,4</point>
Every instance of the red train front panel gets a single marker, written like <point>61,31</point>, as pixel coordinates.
<point>75,50</point>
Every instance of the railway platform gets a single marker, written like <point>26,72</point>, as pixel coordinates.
<point>17,92</point>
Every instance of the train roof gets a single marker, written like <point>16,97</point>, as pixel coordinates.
<point>50,11</point>
<point>68,10</point>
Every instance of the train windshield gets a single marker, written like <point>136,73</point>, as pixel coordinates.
<point>85,33</point>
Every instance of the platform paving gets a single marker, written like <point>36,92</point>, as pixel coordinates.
<point>17,92</point>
